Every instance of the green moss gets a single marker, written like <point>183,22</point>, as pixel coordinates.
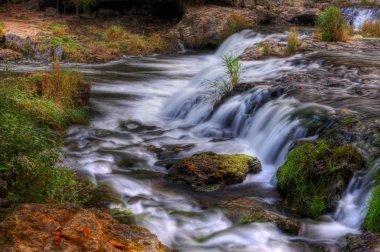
<point>314,174</point>
<point>372,220</point>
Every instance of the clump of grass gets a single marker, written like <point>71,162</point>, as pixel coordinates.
<point>72,50</point>
<point>293,42</point>
<point>233,71</point>
<point>332,25</point>
<point>58,29</point>
<point>236,23</point>
<point>114,33</point>
<point>371,28</point>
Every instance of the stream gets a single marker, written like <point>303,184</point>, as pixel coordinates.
<point>142,103</point>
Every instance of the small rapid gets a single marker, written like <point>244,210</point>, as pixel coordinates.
<point>358,16</point>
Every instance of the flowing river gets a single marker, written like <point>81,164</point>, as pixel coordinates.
<point>142,103</point>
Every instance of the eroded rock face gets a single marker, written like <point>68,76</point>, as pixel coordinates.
<point>65,227</point>
<point>269,48</point>
<point>208,25</point>
<point>210,171</point>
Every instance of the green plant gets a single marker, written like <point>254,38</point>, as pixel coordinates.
<point>233,71</point>
<point>293,41</point>
<point>332,25</point>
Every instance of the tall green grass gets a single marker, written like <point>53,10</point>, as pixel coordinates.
<point>332,25</point>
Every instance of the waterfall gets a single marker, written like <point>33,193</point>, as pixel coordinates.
<point>358,16</point>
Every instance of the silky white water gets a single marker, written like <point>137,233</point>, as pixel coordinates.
<point>358,16</point>
<point>163,100</point>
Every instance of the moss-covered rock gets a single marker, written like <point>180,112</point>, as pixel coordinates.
<point>372,220</point>
<point>288,225</point>
<point>210,171</point>
<point>315,176</point>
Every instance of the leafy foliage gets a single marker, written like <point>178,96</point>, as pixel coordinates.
<point>332,25</point>
<point>30,169</point>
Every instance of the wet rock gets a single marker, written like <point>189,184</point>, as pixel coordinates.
<point>315,175</point>
<point>208,25</point>
<point>366,242</point>
<point>65,227</point>
<point>209,171</point>
<point>9,55</point>
<point>288,225</point>
<point>269,48</point>
<point>357,44</point>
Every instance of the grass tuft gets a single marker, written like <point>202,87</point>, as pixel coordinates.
<point>333,26</point>
<point>371,29</point>
<point>293,41</point>
<point>236,23</point>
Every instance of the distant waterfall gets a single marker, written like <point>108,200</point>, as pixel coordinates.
<point>358,16</point>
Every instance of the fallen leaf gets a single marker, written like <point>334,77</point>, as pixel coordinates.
<point>118,245</point>
<point>85,232</point>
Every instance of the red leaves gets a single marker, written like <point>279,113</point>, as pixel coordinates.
<point>118,245</point>
<point>57,235</point>
<point>85,232</point>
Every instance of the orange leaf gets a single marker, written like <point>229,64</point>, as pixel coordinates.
<point>118,245</point>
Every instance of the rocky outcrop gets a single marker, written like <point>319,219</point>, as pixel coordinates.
<point>209,171</point>
<point>269,48</point>
<point>65,227</point>
<point>209,25</point>
<point>9,55</point>
<point>356,43</point>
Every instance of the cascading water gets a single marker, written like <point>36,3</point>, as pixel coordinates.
<point>164,101</point>
<point>358,16</point>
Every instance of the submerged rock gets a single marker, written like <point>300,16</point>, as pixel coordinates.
<point>209,171</point>
<point>366,242</point>
<point>65,227</point>
<point>315,175</point>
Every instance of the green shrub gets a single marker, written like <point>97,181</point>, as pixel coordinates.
<point>293,42</point>
<point>29,148</point>
<point>332,25</point>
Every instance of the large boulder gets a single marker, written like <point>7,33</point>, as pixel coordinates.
<point>204,26</point>
<point>315,176</point>
<point>36,227</point>
<point>9,55</point>
<point>366,242</point>
<point>209,171</point>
